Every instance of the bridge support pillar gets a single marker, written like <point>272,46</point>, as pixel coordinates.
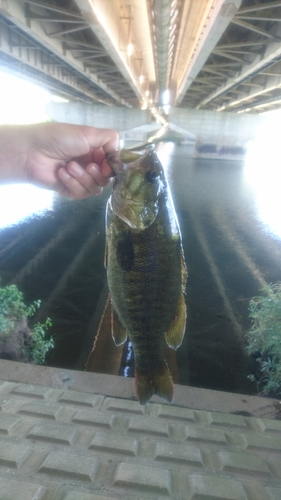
<point>218,135</point>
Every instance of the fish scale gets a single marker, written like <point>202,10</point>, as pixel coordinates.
<point>145,268</point>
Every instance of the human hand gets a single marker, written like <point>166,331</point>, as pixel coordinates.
<point>69,159</point>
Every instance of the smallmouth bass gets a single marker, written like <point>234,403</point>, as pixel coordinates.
<point>146,269</point>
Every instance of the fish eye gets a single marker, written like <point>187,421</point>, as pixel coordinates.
<point>152,176</point>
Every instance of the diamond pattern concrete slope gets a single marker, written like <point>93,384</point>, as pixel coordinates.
<point>60,444</point>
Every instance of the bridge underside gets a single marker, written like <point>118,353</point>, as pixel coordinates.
<point>216,55</point>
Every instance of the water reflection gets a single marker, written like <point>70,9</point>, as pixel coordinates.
<point>263,174</point>
<point>58,258</point>
<point>127,369</point>
<point>20,201</point>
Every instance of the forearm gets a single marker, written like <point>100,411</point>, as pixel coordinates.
<point>13,152</point>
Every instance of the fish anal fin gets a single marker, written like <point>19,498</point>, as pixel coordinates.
<point>175,333</point>
<point>118,332</point>
<point>155,381</point>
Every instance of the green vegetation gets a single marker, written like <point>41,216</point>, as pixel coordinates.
<point>264,338</point>
<point>41,345</point>
<point>17,341</point>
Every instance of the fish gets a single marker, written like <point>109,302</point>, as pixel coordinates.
<point>146,270</point>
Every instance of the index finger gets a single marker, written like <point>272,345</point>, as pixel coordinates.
<point>106,169</point>
<point>104,138</point>
<point>99,157</point>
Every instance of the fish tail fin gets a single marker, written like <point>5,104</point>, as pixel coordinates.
<point>156,381</point>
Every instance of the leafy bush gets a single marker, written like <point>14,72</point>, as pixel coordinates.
<point>12,308</point>
<point>17,341</point>
<point>264,337</point>
<point>41,345</point>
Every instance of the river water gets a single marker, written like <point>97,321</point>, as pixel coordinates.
<point>232,243</point>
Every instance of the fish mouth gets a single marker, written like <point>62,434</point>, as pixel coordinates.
<point>130,201</point>
<point>143,147</point>
<point>120,159</point>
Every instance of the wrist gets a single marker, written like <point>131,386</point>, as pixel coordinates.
<point>14,144</point>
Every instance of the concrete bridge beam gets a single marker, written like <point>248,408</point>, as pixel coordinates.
<point>120,118</point>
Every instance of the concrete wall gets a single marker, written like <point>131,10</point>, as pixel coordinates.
<point>218,134</point>
<point>138,135</point>
<point>98,115</point>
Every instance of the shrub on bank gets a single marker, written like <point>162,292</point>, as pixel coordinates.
<point>264,338</point>
<point>17,341</point>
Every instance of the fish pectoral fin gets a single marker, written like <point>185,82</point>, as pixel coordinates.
<point>155,381</point>
<point>174,335</point>
<point>118,332</point>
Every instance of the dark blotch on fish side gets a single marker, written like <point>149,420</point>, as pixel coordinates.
<point>125,251</point>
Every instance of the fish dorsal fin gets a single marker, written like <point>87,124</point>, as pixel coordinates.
<point>105,255</point>
<point>118,332</point>
<point>174,334</point>
<point>184,273</point>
